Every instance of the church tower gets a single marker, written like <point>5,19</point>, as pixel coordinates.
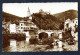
<point>29,14</point>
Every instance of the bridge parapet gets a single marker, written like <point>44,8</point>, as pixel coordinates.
<point>50,31</point>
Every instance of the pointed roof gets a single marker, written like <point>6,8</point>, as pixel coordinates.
<point>28,10</point>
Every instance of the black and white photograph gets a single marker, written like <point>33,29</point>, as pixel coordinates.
<point>40,27</point>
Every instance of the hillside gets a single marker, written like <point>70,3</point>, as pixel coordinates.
<point>43,20</point>
<point>53,22</point>
<point>11,18</point>
<point>71,14</point>
<point>46,21</point>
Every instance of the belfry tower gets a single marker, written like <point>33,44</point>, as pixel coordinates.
<point>29,14</point>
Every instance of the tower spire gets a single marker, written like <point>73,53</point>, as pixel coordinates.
<point>28,9</point>
<point>28,12</point>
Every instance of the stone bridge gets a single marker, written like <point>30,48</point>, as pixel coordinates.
<point>49,32</point>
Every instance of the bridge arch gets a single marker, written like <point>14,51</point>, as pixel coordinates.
<point>57,33</point>
<point>54,35</point>
<point>43,35</point>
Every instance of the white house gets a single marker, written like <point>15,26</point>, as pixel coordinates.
<point>71,24</point>
<point>26,25</point>
<point>74,24</point>
<point>12,28</point>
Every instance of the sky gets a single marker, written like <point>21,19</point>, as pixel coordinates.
<point>20,9</point>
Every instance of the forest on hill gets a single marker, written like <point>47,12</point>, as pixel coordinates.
<point>53,22</point>
<point>7,17</point>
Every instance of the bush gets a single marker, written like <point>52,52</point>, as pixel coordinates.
<point>47,41</point>
<point>33,41</point>
<point>20,37</point>
<point>67,35</point>
<point>5,40</point>
<point>50,46</point>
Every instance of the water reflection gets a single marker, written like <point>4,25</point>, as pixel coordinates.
<point>15,46</point>
<point>24,46</point>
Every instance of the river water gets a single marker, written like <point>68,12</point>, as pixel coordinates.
<point>24,46</point>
